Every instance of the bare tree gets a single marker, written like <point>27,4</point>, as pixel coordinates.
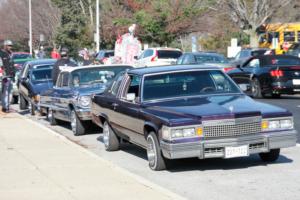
<point>251,14</point>
<point>14,20</point>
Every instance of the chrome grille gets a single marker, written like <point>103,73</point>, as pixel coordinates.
<point>232,127</point>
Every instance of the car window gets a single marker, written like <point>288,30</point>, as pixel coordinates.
<point>42,74</point>
<point>185,60</point>
<point>133,86</point>
<point>141,55</point>
<point>245,54</point>
<point>165,54</point>
<point>180,59</point>
<point>237,55</point>
<point>109,54</point>
<point>253,63</point>
<point>190,83</point>
<point>116,84</point>
<point>148,53</point>
<point>210,59</point>
<point>59,80</point>
<point>65,80</point>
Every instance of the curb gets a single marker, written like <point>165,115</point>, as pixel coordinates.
<point>140,179</point>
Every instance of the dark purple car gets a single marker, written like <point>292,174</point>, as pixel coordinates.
<point>189,111</point>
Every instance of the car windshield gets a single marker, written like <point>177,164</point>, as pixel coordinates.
<point>189,83</point>
<point>21,56</point>
<point>210,59</point>
<point>41,74</point>
<point>165,54</point>
<point>84,77</point>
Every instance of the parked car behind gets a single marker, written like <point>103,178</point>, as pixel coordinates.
<point>34,78</point>
<point>269,75</point>
<point>69,99</point>
<point>189,111</point>
<point>158,56</point>
<point>103,55</point>
<point>247,53</point>
<point>214,59</point>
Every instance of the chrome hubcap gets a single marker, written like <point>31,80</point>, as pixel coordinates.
<point>50,114</point>
<point>73,121</point>
<point>106,135</point>
<point>151,152</point>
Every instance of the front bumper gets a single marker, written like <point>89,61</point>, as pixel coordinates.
<point>215,148</point>
<point>84,114</point>
<point>285,88</point>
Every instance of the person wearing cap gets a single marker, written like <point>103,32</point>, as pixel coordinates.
<point>63,61</point>
<point>8,73</point>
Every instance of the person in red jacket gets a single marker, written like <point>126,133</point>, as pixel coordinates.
<point>55,54</point>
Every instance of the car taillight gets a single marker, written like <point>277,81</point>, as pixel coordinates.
<point>228,69</point>
<point>276,73</point>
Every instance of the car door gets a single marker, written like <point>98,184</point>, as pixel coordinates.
<point>243,75</point>
<point>127,113</point>
<point>63,97</point>
<point>24,84</point>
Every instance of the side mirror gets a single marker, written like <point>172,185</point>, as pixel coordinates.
<point>136,57</point>
<point>238,66</point>
<point>130,97</point>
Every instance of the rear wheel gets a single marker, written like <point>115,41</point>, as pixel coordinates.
<point>271,156</point>
<point>110,139</point>
<point>76,124</point>
<point>23,103</point>
<point>155,158</point>
<point>256,89</point>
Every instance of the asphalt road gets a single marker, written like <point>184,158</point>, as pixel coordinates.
<point>238,178</point>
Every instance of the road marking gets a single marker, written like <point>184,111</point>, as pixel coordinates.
<point>138,178</point>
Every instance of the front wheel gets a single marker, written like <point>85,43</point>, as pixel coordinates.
<point>76,124</point>
<point>110,139</point>
<point>31,108</point>
<point>51,118</point>
<point>155,158</point>
<point>271,156</point>
<point>256,89</point>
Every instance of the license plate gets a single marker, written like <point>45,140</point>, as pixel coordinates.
<point>296,81</point>
<point>240,151</point>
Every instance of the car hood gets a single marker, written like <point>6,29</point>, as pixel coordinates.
<point>191,110</point>
<point>41,86</point>
<point>91,89</point>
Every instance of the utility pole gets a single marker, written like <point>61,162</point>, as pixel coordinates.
<point>97,26</point>
<point>30,28</point>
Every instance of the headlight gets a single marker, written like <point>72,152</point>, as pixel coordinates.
<point>277,124</point>
<point>84,101</point>
<point>178,132</point>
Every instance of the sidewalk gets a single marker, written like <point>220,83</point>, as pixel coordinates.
<point>37,164</point>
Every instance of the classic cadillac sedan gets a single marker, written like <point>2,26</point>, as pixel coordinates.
<point>189,111</point>
<point>69,99</point>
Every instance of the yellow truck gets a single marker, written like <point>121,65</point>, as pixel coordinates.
<point>279,36</point>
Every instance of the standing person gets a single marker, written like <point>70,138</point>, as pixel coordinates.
<point>8,74</point>
<point>64,61</point>
<point>55,54</point>
<point>86,57</point>
<point>41,53</point>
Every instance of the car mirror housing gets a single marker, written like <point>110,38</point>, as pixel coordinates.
<point>130,97</point>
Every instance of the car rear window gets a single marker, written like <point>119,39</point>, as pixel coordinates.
<point>109,54</point>
<point>41,74</point>
<point>168,54</point>
<point>210,59</point>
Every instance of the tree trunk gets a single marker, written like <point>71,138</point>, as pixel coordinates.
<point>253,38</point>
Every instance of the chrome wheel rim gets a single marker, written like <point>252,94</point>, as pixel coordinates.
<point>151,152</point>
<point>73,121</point>
<point>106,135</point>
<point>254,88</point>
<point>50,114</point>
<point>29,106</point>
